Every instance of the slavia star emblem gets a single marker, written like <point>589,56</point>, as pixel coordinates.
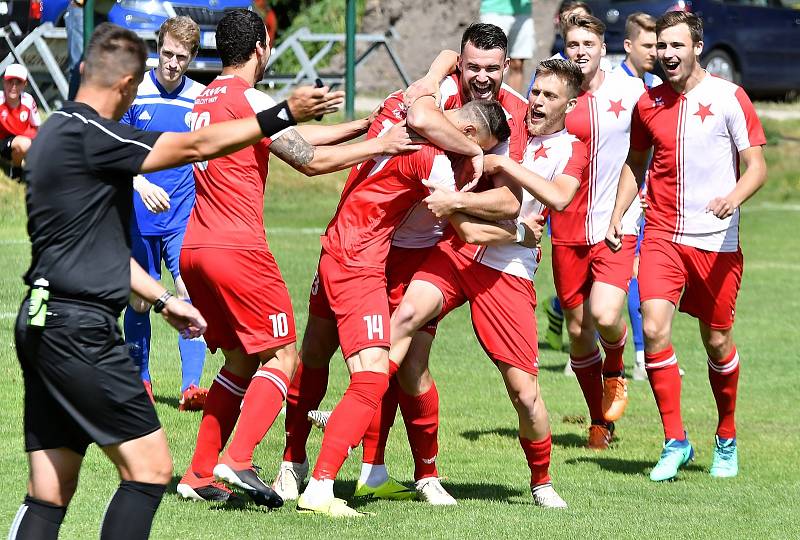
<point>703,111</point>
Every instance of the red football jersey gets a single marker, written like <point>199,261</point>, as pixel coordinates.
<point>21,120</point>
<point>377,199</point>
<point>229,205</point>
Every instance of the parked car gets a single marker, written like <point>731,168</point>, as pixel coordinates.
<point>750,42</point>
<point>148,15</point>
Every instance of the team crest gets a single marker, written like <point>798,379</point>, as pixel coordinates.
<point>23,116</point>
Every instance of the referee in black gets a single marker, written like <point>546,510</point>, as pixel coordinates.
<point>81,387</point>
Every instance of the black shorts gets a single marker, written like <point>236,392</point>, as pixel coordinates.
<point>81,385</point>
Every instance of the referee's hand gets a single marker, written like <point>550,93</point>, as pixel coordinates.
<point>184,317</point>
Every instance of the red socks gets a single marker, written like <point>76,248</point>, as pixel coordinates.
<point>614,362</point>
<point>665,380</point>
<point>587,370</point>
<point>537,454</point>
<point>262,403</point>
<point>421,416</point>
<point>378,430</point>
<point>349,421</point>
<point>724,378</point>
<point>305,394</point>
<point>219,417</point>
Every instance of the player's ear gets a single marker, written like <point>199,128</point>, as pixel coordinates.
<point>506,63</point>
<point>698,48</point>
<point>470,131</point>
<point>627,45</point>
<point>603,49</point>
<point>571,105</point>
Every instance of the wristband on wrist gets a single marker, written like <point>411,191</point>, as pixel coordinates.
<point>275,119</point>
<point>159,304</point>
<point>520,233</point>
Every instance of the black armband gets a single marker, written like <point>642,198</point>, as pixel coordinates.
<point>275,119</point>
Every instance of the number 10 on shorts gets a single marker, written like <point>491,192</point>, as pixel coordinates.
<point>374,326</point>
<point>280,325</point>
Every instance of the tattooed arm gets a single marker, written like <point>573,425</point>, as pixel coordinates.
<point>311,160</point>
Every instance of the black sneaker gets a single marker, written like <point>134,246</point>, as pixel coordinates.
<point>250,482</point>
<point>206,491</point>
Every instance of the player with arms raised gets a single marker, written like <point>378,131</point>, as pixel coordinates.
<point>700,127</point>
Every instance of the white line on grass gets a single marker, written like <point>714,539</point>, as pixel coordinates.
<point>771,265</point>
<point>786,207</point>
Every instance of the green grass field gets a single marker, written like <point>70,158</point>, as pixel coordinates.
<point>609,493</point>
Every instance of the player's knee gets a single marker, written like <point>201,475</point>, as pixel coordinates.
<point>655,333</point>
<point>718,344</point>
<point>606,319</point>
<point>406,318</point>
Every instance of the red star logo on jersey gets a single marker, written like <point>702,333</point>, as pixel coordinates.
<point>616,107</point>
<point>703,111</point>
<point>540,152</point>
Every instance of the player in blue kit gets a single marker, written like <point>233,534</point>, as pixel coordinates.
<point>163,200</point>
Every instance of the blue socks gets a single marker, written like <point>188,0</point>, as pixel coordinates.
<point>137,336</point>
<point>635,314</point>
<point>193,357</point>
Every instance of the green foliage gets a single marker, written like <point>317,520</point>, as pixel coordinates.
<point>323,16</point>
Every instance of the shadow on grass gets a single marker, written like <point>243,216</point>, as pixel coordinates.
<point>475,434</point>
<point>459,490</point>
<point>543,345</point>
<point>172,401</point>
<point>555,368</point>
<point>624,466</point>
<point>569,440</point>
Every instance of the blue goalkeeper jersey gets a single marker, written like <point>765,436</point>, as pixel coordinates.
<point>155,109</point>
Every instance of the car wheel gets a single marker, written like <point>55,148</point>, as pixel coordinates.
<point>721,64</point>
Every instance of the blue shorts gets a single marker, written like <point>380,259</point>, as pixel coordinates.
<point>148,251</point>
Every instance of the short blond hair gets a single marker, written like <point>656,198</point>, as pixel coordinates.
<point>587,22</point>
<point>639,22</point>
<point>182,28</point>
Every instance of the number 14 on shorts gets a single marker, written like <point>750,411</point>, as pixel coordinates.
<point>374,326</point>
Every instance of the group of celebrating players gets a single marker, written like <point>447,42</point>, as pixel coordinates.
<point>445,204</point>
<point>454,214</point>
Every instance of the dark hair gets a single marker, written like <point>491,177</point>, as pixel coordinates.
<point>237,34</point>
<point>639,22</point>
<point>674,18</point>
<point>490,115</point>
<point>566,70</point>
<point>113,52</point>
<point>485,37</point>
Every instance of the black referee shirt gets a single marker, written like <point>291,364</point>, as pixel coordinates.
<point>80,171</point>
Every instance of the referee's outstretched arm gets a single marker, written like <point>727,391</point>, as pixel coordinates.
<point>173,149</point>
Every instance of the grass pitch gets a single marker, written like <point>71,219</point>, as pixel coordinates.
<point>609,493</point>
